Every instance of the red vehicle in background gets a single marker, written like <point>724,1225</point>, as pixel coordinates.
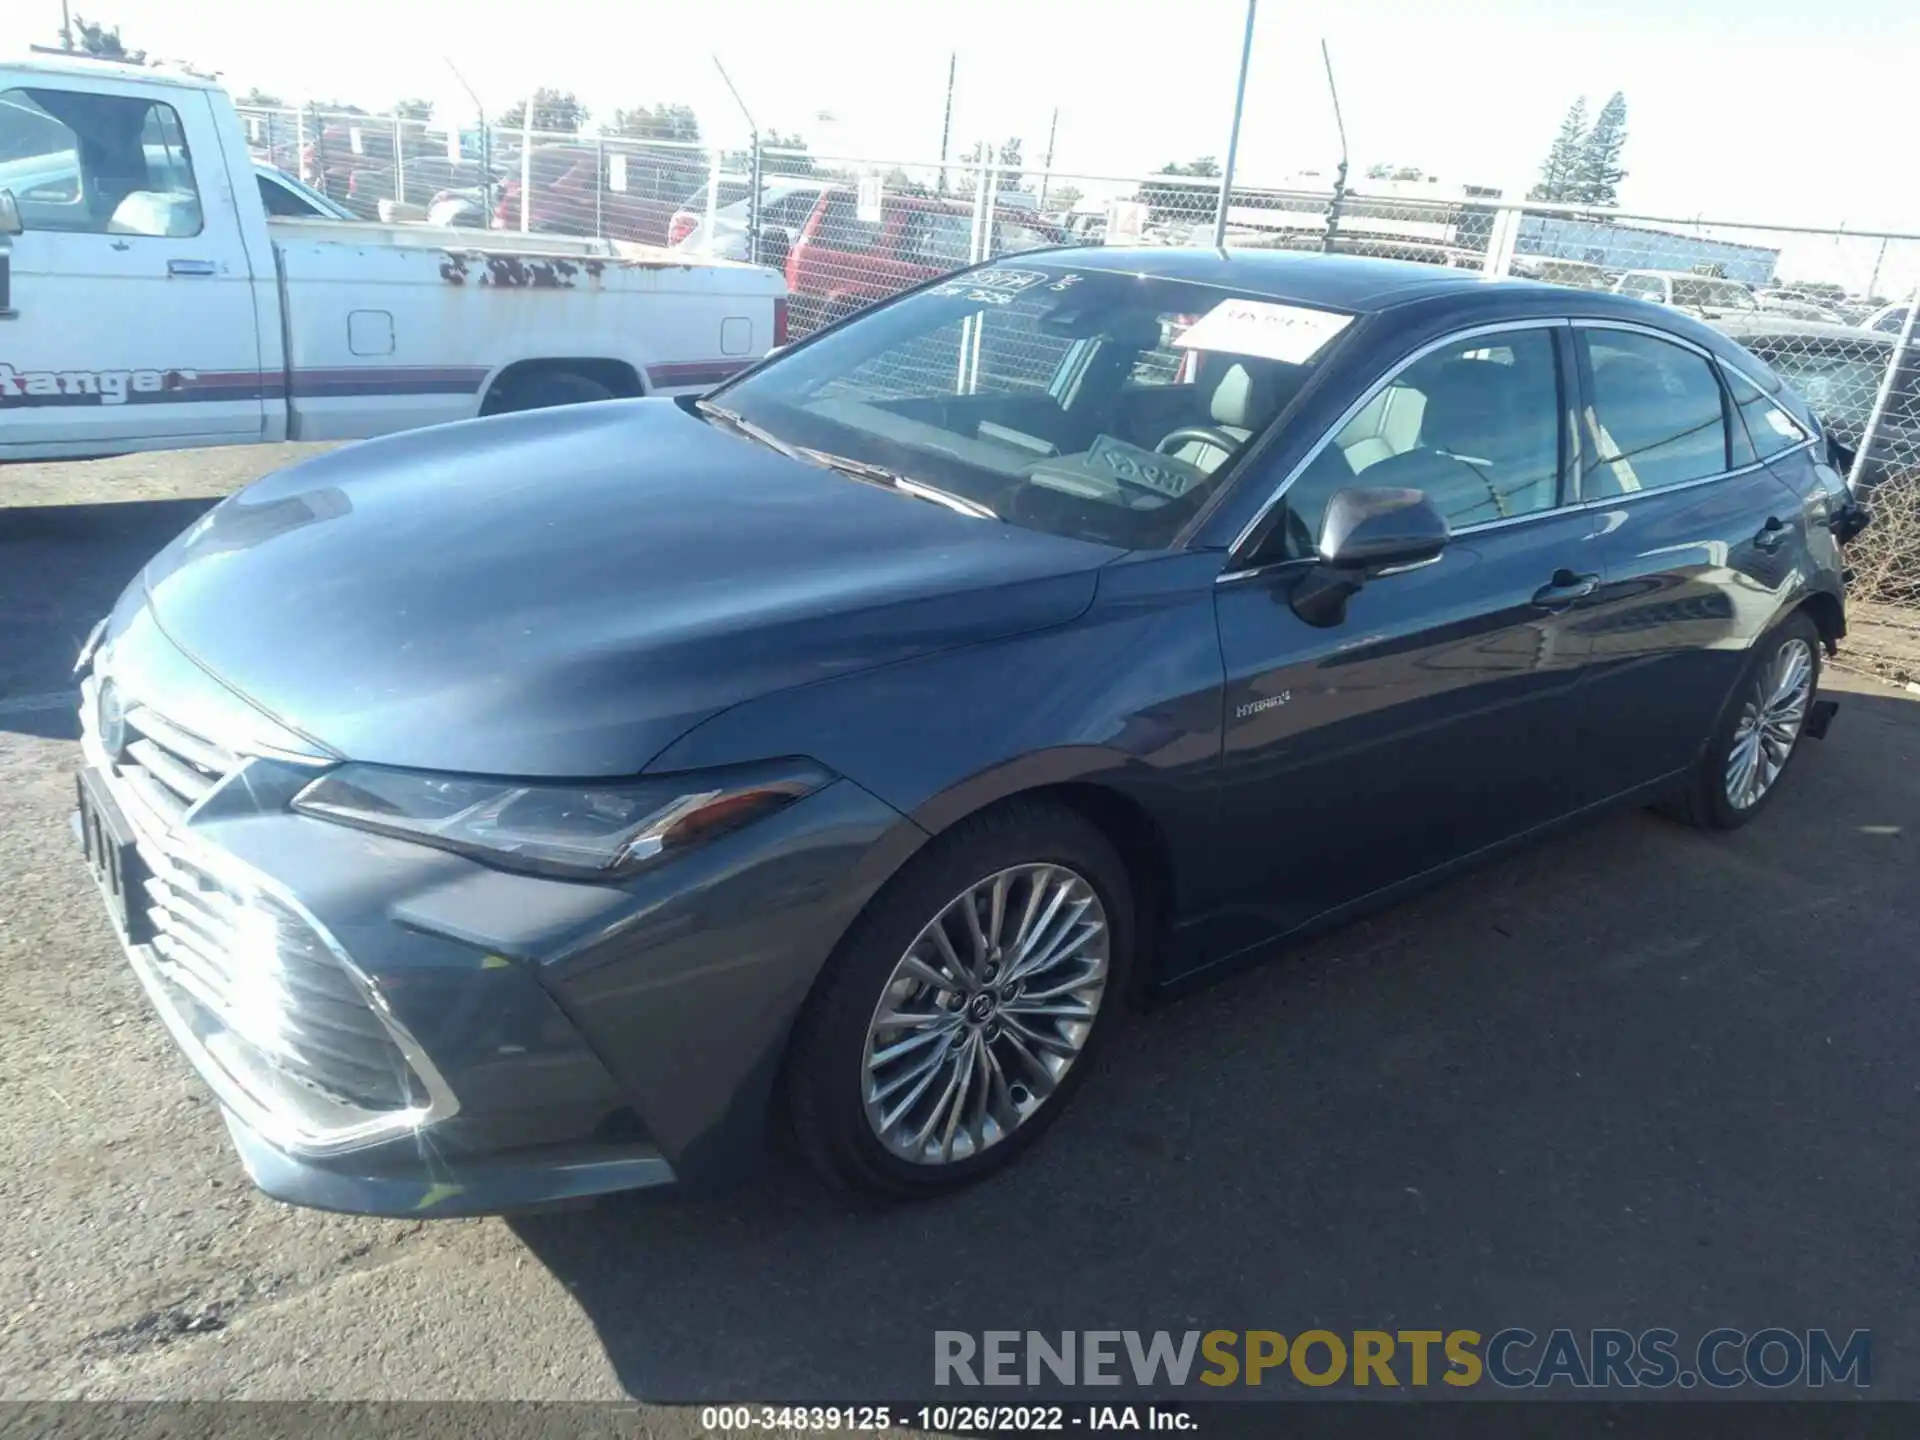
<point>573,191</point>
<point>839,263</point>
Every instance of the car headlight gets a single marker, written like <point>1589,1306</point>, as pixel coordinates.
<point>601,827</point>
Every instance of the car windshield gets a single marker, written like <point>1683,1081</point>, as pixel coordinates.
<point>1078,401</point>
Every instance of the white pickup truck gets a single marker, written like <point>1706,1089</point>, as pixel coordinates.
<point>148,301</point>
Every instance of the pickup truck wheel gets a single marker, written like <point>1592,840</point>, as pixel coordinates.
<point>963,1008</point>
<point>544,389</point>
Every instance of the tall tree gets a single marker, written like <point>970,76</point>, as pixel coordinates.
<point>554,110</point>
<point>1557,175</point>
<point>104,41</point>
<point>656,122</point>
<point>1597,178</point>
<point>413,109</point>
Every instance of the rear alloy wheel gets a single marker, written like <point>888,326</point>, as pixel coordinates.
<point>961,1011</point>
<point>1760,731</point>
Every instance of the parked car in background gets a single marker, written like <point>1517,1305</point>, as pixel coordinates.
<point>785,206</point>
<point>877,735</point>
<point>1796,304</point>
<point>154,305</point>
<point>1838,371</point>
<point>574,191</point>
<point>1887,320</point>
<point>1580,274</point>
<point>840,263</point>
<point>1703,295</point>
<point>288,198</point>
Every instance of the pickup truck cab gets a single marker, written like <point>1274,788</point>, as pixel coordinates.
<point>148,300</point>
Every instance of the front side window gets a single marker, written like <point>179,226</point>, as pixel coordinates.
<point>1474,424</point>
<point>1644,287</point>
<point>1655,416</point>
<point>97,164</point>
<point>1018,388</point>
<point>937,238</point>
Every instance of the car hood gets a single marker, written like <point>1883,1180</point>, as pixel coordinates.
<point>566,592</point>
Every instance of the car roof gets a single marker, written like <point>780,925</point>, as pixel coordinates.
<point>43,62</point>
<point>1355,283</point>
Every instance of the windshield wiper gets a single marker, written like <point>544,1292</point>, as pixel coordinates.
<point>894,480</point>
<point>739,423</point>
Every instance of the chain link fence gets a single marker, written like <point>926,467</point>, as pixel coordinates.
<point>1827,309</point>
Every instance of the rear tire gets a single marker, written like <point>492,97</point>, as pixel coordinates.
<point>544,389</point>
<point>875,1038</point>
<point>1759,732</point>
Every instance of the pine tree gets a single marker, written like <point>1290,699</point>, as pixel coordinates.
<point>1557,175</point>
<point>1597,178</point>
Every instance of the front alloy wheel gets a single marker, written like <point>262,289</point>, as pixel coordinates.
<point>960,1011</point>
<point>985,1013</point>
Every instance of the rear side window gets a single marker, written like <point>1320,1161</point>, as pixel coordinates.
<point>1762,428</point>
<point>1644,287</point>
<point>1655,416</point>
<point>97,164</point>
<point>841,228</point>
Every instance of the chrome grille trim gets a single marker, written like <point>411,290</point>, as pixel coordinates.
<point>299,1045</point>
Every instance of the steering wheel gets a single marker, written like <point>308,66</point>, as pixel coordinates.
<point>1203,434</point>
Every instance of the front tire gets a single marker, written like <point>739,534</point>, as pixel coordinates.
<point>1759,733</point>
<point>959,1015</point>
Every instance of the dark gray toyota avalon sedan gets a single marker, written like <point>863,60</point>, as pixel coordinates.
<point>553,804</point>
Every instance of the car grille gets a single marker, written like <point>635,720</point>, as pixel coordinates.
<point>259,991</point>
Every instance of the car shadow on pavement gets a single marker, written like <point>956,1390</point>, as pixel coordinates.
<point>61,569</point>
<point>1561,1091</point>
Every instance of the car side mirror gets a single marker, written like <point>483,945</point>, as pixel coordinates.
<point>9,214</point>
<point>1366,533</point>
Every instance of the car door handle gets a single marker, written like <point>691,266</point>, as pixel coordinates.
<point>188,269</point>
<point>1565,589</point>
<point>1772,535</point>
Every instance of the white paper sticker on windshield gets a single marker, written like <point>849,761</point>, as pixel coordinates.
<point>1267,328</point>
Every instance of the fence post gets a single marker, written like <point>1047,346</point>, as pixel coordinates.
<point>1233,133</point>
<point>399,161</point>
<point>526,167</point>
<point>300,147</point>
<point>1501,239</point>
<point>753,200</point>
<point>1884,397</point>
<point>599,185</point>
<point>713,198</point>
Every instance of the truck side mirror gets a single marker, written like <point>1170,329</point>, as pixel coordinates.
<point>9,214</point>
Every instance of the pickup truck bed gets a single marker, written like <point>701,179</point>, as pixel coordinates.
<point>147,301</point>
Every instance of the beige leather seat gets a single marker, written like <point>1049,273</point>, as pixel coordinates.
<point>1243,401</point>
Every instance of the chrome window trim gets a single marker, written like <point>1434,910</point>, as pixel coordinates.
<point>1582,503</point>
<point>1346,417</point>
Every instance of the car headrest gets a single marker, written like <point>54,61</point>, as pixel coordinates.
<point>169,213</point>
<point>1245,398</point>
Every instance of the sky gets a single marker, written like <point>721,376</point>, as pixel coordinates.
<point>1770,111</point>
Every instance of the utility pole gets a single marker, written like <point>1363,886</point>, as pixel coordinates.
<point>1233,134</point>
<point>946,125</point>
<point>1046,169</point>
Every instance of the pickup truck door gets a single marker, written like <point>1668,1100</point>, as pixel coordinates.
<point>132,316</point>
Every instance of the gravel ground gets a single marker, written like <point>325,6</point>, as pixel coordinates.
<point>1637,1076</point>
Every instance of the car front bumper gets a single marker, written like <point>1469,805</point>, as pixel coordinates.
<point>410,1031</point>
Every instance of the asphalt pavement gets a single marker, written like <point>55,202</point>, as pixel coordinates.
<point>1638,1076</point>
